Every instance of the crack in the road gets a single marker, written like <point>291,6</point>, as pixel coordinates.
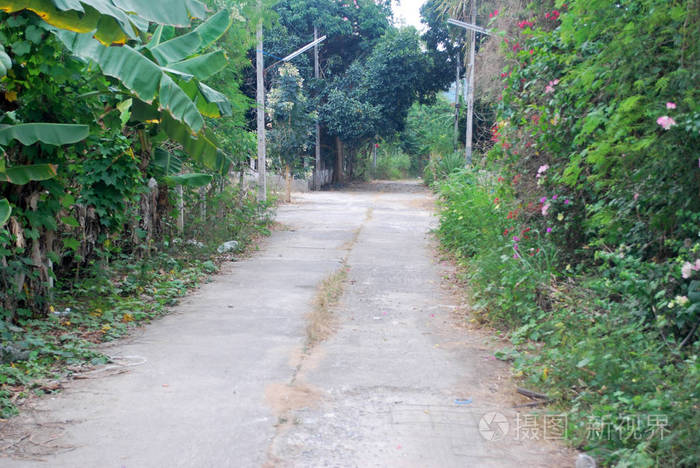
<point>285,398</point>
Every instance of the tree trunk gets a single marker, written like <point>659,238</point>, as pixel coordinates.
<point>339,161</point>
<point>288,179</point>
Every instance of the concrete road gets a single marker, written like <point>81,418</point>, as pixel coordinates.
<point>229,379</point>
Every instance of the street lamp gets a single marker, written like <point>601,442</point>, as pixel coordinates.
<point>473,29</point>
<point>260,95</point>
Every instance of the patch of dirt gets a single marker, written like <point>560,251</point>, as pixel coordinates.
<point>285,398</point>
<point>387,186</point>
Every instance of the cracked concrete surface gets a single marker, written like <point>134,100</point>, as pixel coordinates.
<point>227,380</point>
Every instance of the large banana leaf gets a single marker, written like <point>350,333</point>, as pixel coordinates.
<point>202,66</point>
<point>139,74</point>
<point>21,175</point>
<point>110,25</point>
<point>182,47</point>
<point>165,163</point>
<point>49,133</point>
<point>5,211</point>
<point>210,102</point>
<point>5,62</point>
<point>189,180</point>
<point>171,12</point>
<point>198,147</point>
<point>113,21</point>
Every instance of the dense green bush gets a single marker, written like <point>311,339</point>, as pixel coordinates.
<point>586,338</point>
<point>596,151</point>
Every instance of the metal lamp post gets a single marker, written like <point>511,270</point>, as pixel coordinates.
<point>260,94</point>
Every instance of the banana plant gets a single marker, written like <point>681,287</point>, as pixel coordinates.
<point>28,134</point>
<point>110,21</point>
<point>164,76</point>
<point>5,62</point>
<point>168,166</point>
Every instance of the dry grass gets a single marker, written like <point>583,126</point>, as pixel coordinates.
<point>321,320</point>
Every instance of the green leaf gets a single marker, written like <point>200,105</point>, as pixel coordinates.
<point>202,66</point>
<point>33,33</point>
<point>171,12</point>
<point>49,133</point>
<point>140,75</point>
<point>72,244</point>
<point>20,48</point>
<point>67,201</point>
<point>124,109</point>
<point>165,163</point>
<point>5,211</point>
<point>102,19</point>
<point>180,106</point>
<point>5,62</point>
<point>181,47</point>
<point>189,180</point>
<point>198,147</point>
<point>214,97</point>
<point>583,362</point>
<point>21,175</point>
<point>70,221</point>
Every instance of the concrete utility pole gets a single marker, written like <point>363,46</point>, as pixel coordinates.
<point>470,90</point>
<point>259,66</point>
<point>317,169</point>
<point>455,140</point>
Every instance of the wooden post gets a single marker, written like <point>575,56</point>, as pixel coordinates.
<point>317,169</point>
<point>180,210</point>
<point>374,155</point>
<point>339,160</point>
<point>470,91</point>
<point>456,132</point>
<point>260,98</point>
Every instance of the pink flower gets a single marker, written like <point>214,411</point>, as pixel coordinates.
<point>670,105</point>
<point>544,209</point>
<point>566,202</point>
<point>543,199</point>
<point>549,230</point>
<point>532,51</point>
<point>516,239</point>
<point>688,268</point>
<point>554,197</point>
<point>542,170</point>
<point>666,122</point>
<point>636,195</point>
<point>550,86</point>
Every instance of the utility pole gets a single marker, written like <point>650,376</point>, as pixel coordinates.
<point>317,170</point>
<point>456,135</point>
<point>259,66</point>
<point>470,90</point>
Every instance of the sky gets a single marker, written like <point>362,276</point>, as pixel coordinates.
<point>409,11</point>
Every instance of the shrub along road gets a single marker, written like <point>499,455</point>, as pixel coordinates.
<point>264,367</point>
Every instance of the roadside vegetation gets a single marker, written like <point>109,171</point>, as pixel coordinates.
<point>578,230</point>
<point>121,173</point>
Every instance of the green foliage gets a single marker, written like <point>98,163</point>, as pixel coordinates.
<point>601,343</point>
<point>392,163</point>
<point>291,135</point>
<point>440,167</point>
<point>596,140</point>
